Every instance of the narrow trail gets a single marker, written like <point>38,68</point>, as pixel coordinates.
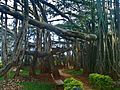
<point>80,78</point>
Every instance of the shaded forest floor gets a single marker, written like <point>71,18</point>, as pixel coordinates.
<point>43,81</point>
<point>81,78</point>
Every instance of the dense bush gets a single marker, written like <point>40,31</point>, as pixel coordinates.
<point>71,83</point>
<point>101,82</point>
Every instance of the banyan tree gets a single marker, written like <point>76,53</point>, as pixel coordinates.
<point>88,35</point>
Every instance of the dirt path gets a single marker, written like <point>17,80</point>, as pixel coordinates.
<point>80,78</point>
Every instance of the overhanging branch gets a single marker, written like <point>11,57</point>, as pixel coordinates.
<point>59,31</point>
<point>48,54</point>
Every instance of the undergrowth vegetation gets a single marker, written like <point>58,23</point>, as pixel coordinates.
<point>74,72</point>
<point>71,83</point>
<point>37,86</point>
<point>11,73</point>
<point>101,82</point>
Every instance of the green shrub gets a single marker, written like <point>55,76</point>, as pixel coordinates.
<point>71,83</point>
<point>102,82</point>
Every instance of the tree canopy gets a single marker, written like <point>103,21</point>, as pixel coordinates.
<point>87,30</point>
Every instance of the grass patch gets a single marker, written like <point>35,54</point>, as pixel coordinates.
<point>116,88</point>
<point>37,86</point>
<point>1,78</point>
<point>37,72</point>
<point>25,71</point>
<point>74,72</point>
<point>9,75</point>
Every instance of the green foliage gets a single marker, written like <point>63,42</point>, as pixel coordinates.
<point>1,78</point>
<point>1,65</point>
<point>37,86</point>
<point>37,71</point>
<point>25,71</point>
<point>71,83</point>
<point>116,88</point>
<point>102,82</point>
<point>10,75</point>
<point>74,72</point>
